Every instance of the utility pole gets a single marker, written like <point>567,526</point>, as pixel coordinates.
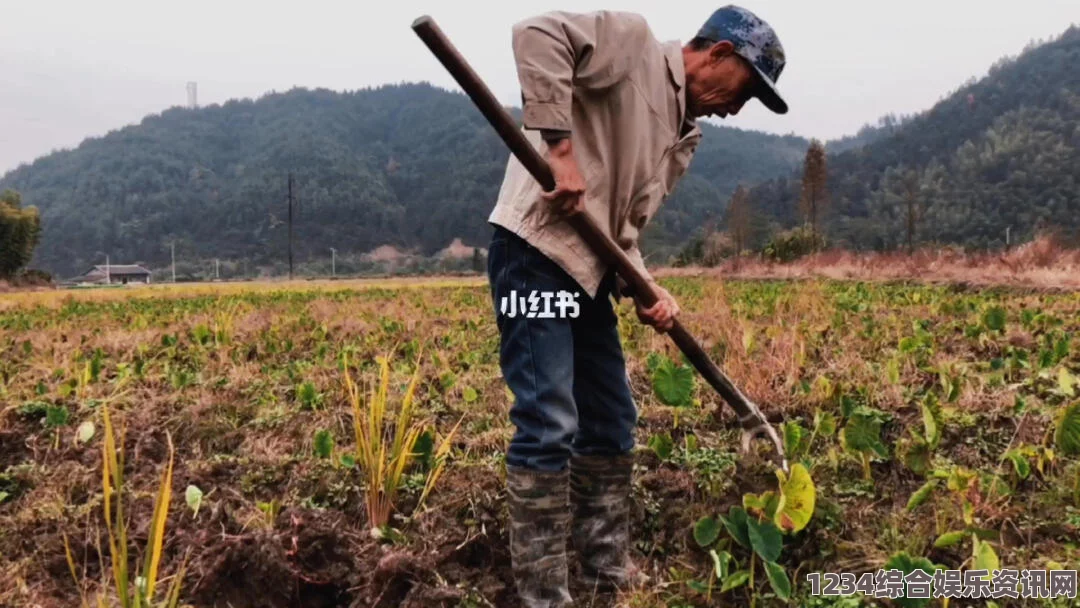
<point>290,226</point>
<point>217,268</point>
<point>108,278</point>
<point>333,262</point>
<point>1007,229</point>
<point>172,256</point>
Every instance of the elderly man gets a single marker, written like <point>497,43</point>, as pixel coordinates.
<point>613,110</point>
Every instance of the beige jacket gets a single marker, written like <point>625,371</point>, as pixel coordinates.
<point>621,93</point>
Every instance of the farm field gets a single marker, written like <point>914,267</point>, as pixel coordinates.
<point>940,427</point>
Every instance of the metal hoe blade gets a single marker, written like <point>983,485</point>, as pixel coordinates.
<point>753,422</point>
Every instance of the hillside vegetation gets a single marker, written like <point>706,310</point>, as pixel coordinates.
<point>411,166</point>
<point>998,153</point>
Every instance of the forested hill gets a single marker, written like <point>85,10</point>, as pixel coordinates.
<point>410,165</point>
<point>999,153</point>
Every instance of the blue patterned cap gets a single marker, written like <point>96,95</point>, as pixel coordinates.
<point>756,42</point>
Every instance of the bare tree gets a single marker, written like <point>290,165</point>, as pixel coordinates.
<point>738,219</point>
<point>814,196</point>
<point>914,206</point>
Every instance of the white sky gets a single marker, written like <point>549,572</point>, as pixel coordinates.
<point>69,70</point>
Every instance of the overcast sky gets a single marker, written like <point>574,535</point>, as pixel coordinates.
<point>74,69</point>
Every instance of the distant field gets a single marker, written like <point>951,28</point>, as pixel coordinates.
<point>939,422</point>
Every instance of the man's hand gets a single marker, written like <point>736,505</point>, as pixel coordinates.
<point>661,315</point>
<point>568,196</point>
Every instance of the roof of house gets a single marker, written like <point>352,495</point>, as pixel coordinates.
<point>114,269</point>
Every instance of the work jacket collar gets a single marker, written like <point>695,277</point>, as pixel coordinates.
<point>677,70</point>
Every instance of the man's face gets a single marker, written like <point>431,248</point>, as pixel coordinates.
<point>719,81</point>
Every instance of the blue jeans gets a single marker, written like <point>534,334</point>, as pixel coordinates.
<point>568,375</point>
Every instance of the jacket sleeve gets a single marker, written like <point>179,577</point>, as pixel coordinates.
<point>558,50</point>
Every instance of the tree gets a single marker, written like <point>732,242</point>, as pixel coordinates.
<point>477,260</point>
<point>914,206</point>
<point>814,195</point>
<point>738,218</point>
<point>20,230</point>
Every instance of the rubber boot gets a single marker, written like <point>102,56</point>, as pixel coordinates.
<point>539,524</point>
<point>600,496</point>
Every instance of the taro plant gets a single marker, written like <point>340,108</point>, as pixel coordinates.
<point>861,436</point>
<point>919,448</point>
<point>138,588</point>
<point>969,491</point>
<point>672,383</point>
<point>798,441</point>
<point>308,396</point>
<point>1067,430</point>
<point>758,527</point>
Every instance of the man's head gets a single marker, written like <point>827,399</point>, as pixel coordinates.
<point>735,56</point>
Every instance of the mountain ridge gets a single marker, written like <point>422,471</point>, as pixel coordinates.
<point>408,165</point>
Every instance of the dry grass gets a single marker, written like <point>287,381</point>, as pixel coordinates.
<point>57,297</point>
<point>1042,264</point>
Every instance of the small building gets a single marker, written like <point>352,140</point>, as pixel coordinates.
<point>114,274</point>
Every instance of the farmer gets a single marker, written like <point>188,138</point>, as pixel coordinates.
<point>613,111</point>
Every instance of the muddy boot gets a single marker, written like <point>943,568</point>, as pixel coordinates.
<point>600,495</point>
<point>539,524</point>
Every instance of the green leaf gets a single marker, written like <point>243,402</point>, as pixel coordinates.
<point>959,478</point>
<point>56,416</point>
<point>1061,349</point>
<point>994,318</point>
<point>307,395</point>
<point>698,587</point>
<point>761,505</point>
<point>3,496</point>
<point>705,531</point>
<point>907,344</point>
<point>720,563</point>
<point>825,423</point>
<point>862,433</point>
<point>324,444</point>
<point>778,579</point>
<point>347,460</point>
<point>1019,405</point>
<point>469,394</point>
<point>193,496</point>
<point>984,556</point>
<point>917,456</point>
<point>1020,463</point>
<point>662,445</point>
<point>931,415</point>
<point>892,371</point>
<point>1067,435</point>
<point>907,564</point>
<point>673,384</point>
<point>765,538</point>
<point>423,449</point>
<point>797,497</point>
<point>653,361</point>
<point>736,525</point>
<point>949,539</point>
<point>85,432</point>
<point>736,580</point>
<point>793,437</point>
<point>921,495</point>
